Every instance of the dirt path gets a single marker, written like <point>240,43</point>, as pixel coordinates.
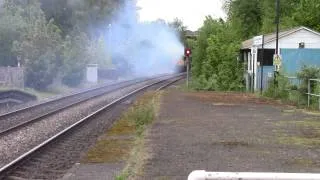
<point>229,132</point>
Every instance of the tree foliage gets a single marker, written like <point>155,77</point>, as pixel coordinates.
<point>51,37</point>
<point>12,26</point>
<point>88,15</point>
<point>38,47</point>
<point>215,65</point>
<point>307,14</point>
<point>251,17</point>
<point>75,58</point>
<point>245,16</point>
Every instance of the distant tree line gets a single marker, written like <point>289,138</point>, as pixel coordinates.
<point>58,38</point>
<point>215,65</point>
<point>53,38</point>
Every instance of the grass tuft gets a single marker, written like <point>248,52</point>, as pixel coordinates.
<point>305,133</point>
<point>143,113</point>
<point>124,142</point>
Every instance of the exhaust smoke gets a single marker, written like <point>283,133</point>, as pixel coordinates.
<point>142,48</point>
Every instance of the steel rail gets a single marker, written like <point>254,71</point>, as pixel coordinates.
<point>9,165</point>
<point>141,79</point>
<point>38,118</point>
<point>168,84</point>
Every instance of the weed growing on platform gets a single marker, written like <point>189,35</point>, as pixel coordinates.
<point>141,114</point>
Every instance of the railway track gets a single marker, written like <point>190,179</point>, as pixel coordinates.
<point>17,118</point>
<point>26,116</point>
<point>70,140</point>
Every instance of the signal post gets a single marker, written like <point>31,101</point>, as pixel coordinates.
<point>187,54</point>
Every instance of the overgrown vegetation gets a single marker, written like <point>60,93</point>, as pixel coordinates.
<point>214,62</point>
<point>142,114</point>
<point>124,142</point>
<point>295,91</point>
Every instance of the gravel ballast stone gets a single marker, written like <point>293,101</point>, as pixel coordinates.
<point>21,140</point>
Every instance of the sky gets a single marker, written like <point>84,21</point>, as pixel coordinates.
<point>191,12</point>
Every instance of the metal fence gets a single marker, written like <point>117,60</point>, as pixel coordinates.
<point>294,81</point>
<point>310,93</point>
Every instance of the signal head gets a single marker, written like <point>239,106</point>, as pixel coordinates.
<point>187,52</point>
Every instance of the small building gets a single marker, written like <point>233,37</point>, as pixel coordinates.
<point>92,73</point>
<point>297,47</point>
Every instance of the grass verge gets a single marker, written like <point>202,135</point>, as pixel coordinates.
<point>125,141</point>
<point>305,133</point>
<point>142,114</point>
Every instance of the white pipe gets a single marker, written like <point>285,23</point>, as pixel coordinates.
<point>203,175</point>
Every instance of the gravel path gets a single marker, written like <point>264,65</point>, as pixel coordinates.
<point>21,140</point>
<point>228,132</point>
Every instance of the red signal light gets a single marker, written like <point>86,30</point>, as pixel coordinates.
<point>187,52</point>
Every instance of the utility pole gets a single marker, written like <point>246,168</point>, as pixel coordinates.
<point>277,38</point>
<point>261,64</point>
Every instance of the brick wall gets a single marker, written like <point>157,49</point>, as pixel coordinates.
<point>11,77</point>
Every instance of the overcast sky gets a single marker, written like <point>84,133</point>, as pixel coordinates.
<point>191,12</point>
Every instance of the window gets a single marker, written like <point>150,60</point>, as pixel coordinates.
<point>301,45</point>
<point>267,57</point>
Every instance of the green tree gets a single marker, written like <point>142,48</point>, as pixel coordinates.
<point>191,43</point>
<point>12,25</point>
<point>61,11</point>
<point>215,65</point>
<point>98,53</point>
<point>199,53</point>
<point>75,58</point>
<point>287,9</point>
<point>245,16</point>
<point>88,15</point>
<point>38,47</point>
<point>307,14</point>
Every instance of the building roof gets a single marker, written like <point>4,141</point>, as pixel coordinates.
<point>272,37</point>
<point>191,33</point>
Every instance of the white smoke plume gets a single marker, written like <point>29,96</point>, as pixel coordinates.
<point>147,48</point>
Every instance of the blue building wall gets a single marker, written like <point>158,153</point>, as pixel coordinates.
<point>292,62</point>
<point>267,75</point>
<point>294,59</point>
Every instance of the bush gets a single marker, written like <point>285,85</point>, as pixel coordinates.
<point>75,56</point>
<point>40,72</point>
<point>278,90</point>
<point>73,79</point>
<point>296,93</point>
<point>215,64</point>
